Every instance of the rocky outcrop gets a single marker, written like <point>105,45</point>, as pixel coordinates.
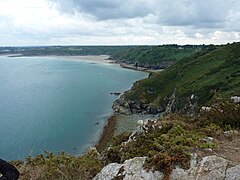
<point>209,167</point>
<point>235,99</point>
<point>143,66</point>
<point>126,107</point>
<point>131,170</point>
<point>121,106</point>
<point>115,93</point>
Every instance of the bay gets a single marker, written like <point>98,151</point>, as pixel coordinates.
<point>55,104</point>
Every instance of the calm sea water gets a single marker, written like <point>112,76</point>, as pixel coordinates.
<point>55,105</point>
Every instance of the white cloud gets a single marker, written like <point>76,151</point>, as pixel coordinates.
<point>48,22</point>
<point>199,35</point>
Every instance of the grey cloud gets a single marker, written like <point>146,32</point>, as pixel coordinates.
<point>126,21</point>
<point>196,13</point>
<point>107,9</point>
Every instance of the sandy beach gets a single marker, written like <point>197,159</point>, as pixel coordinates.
<point>102,59</point>
<point>93,59</point>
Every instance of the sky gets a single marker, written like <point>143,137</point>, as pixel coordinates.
<point>118,22</point>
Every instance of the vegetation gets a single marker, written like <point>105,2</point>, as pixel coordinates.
<point>208,75</point>
<point>177,137</point>
<point>166,145</point>
<point>156,56</point>
<point>223,114</point>
<point>60,166</point>
<point>63,50</point>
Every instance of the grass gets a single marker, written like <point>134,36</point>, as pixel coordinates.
<point>207,74</point>
<point>155,55</point>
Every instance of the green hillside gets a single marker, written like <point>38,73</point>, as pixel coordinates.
<point>63,50</point>
<point>156,56</point>
<point>193,81</point>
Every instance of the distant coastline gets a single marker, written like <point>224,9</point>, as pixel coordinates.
<point>93,59</point>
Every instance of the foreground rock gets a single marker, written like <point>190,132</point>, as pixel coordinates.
<point>131,169</point>
<point>209,167</point>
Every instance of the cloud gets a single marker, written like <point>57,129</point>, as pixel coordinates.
<point>198,13</point>
<point>107,9</point>
<point>113,22</point>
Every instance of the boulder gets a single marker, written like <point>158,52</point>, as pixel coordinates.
<point>108,172</point>
<point>233,173</point>
<point>130,170</point>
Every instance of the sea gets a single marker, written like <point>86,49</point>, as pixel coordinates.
<point>56,104</point>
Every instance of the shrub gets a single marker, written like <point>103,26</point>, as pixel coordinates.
<point>224,114</point>
<point>61,166</point>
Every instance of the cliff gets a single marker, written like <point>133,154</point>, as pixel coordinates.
<point>155,57</point>
<point>199,80</point>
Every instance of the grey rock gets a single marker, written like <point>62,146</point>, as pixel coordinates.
<point>230,133</point>
<point>208,168</point>
<point>108,172</point>
<point>233,173</point>
<point>212,167</point>
<point>131,170</point>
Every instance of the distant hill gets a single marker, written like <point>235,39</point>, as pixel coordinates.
<point>63,50</point>
<point>156,57</point>
<point>190,83</point>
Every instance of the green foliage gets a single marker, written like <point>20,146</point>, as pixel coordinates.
<point>164,148</point>
<point>155,55</point>
<point>208,74</point>
<point>61,166</point>
<point>210,129</point>
<point>225,115</point>
<point>63,50</point>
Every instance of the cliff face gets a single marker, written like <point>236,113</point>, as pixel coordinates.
<point>125,106</point>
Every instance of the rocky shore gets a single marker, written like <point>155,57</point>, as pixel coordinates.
<point>127,107</point>
<point>107,133</point>
<point>137,68</point>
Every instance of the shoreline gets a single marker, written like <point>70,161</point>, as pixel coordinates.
<point>118,124</point>
<point>107,133</point>
<point>92,59</point>
<point>110,127</point>
<point>101,59</point>
<point>129,66</point>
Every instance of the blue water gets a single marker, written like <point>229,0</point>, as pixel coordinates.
<point>54,104</point>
